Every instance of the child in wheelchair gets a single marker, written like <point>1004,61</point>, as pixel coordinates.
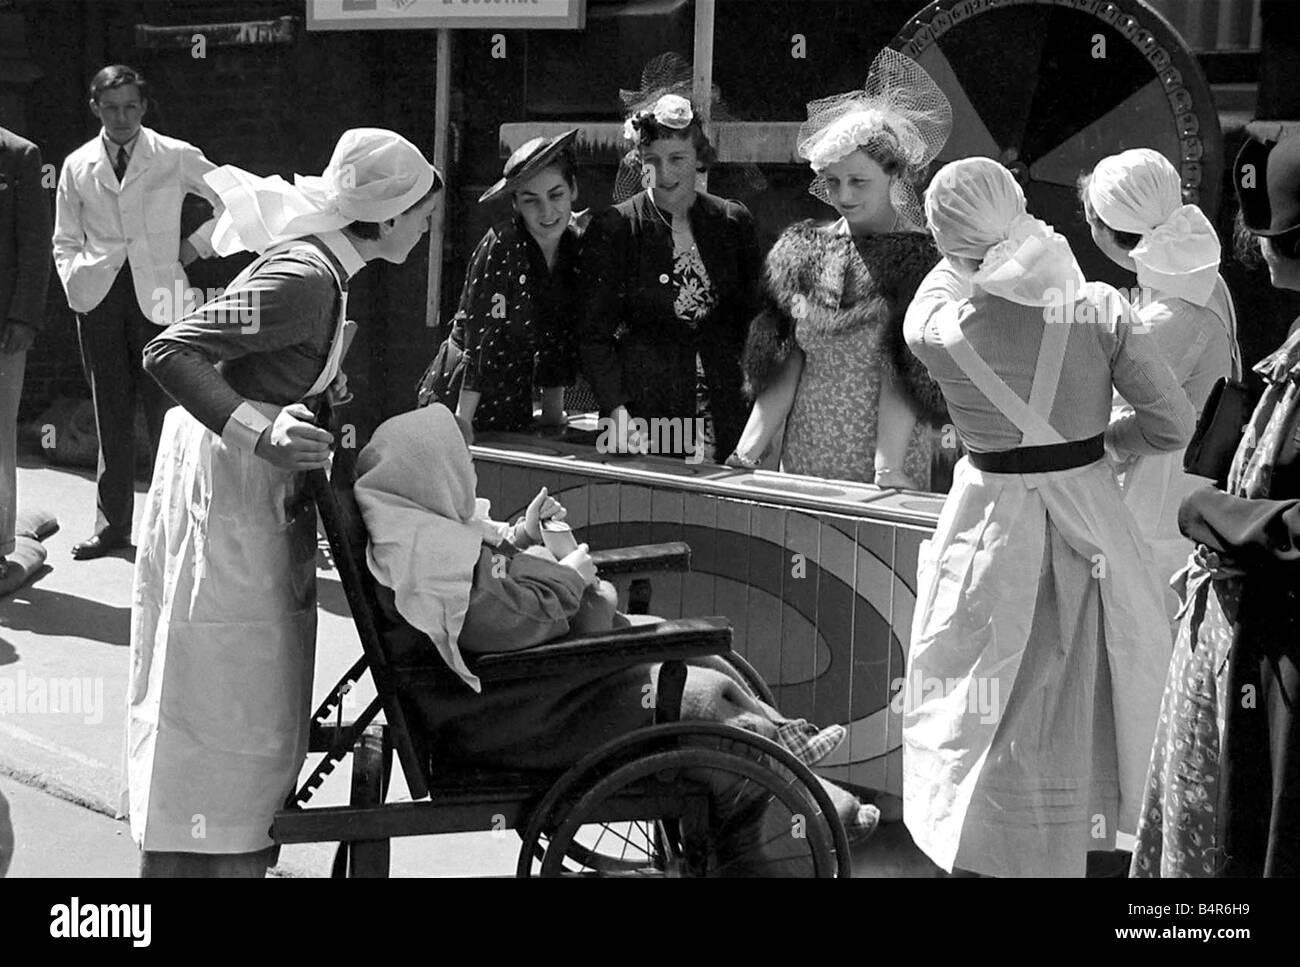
<point>474,585</point>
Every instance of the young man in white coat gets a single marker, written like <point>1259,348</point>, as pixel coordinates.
<point>119,254</point>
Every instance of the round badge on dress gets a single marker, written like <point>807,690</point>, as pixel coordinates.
<point>664,278</point>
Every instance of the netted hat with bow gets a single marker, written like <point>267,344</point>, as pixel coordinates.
<point>665,97</point>
<point>373,175</point>
<point>900,115</point>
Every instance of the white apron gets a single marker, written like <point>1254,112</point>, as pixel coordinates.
<point>1038,655</point>
<point>223,636</point>
<point>1155,485</point>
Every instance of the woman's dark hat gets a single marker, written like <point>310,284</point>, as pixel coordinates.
<point>1266,175</point>
<point>528,159</point>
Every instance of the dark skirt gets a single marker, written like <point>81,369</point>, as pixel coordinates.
<point>1259,814</point>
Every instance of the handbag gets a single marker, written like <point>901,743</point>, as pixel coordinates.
<point>1218,431</point>
<point>441,382</point>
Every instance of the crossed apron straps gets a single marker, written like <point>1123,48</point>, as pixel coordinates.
<point>1030,418</point>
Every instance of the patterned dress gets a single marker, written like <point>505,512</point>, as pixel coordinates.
<point>845,299</point>
<point>1209,794</point>
<point>696,299</point>
<point>512,325</point>
<point>1176,831</point>
<point>662,303</point>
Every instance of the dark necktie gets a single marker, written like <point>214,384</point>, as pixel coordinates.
<point>119,166</point>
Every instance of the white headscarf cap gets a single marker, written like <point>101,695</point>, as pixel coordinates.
<point>373,175</point>
<point>976,210</point>
<point>415,489</point>
<point>1140,191</point>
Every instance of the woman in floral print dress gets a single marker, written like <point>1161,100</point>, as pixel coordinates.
<point>826,355</point>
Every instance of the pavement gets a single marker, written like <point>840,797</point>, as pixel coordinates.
<point>64,640</point>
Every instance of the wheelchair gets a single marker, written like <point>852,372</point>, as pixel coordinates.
<point>634,806</point>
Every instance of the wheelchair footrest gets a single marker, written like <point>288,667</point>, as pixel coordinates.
<point>487,811</point>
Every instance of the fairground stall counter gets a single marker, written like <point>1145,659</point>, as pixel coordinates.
<point>817,577</point>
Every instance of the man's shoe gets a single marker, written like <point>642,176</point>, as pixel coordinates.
<point>105,542</point>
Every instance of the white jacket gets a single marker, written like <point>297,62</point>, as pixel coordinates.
<point>98,225</point>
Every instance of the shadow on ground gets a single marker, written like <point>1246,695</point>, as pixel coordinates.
<point>33,608</point>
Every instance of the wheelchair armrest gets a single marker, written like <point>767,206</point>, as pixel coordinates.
<point>674,640</point>
<point>671,556</point>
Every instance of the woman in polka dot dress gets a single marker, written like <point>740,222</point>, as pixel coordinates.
<point>512,328</point>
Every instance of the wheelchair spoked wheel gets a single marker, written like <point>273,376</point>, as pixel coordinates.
<point>371,770</point>
<point>611,849</point>
<point>778,838</point>
<point>644,805</point>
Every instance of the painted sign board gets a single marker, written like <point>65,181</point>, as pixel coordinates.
<point>446,14</point>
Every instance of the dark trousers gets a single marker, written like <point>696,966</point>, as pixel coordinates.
<point>112,337</point>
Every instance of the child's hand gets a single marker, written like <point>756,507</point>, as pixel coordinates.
<point>598,610</point>
<point>542,508</point>
<point>580,560</point>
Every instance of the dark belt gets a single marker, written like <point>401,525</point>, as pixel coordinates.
<point>1054,456</point>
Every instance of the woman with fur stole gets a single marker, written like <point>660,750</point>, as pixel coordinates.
<point>826,354</point>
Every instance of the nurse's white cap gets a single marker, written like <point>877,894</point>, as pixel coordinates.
<point>373,175</point>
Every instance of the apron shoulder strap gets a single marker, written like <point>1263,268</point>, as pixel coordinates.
<point>1034,428</point>
<point>1229,319</point>
<point>1047,371</point>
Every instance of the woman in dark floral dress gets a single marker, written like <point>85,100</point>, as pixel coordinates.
<point>669,277</point>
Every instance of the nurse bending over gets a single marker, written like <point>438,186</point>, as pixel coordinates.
<point>223,608</point>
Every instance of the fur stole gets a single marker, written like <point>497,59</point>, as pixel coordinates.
<point>830,283</point>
